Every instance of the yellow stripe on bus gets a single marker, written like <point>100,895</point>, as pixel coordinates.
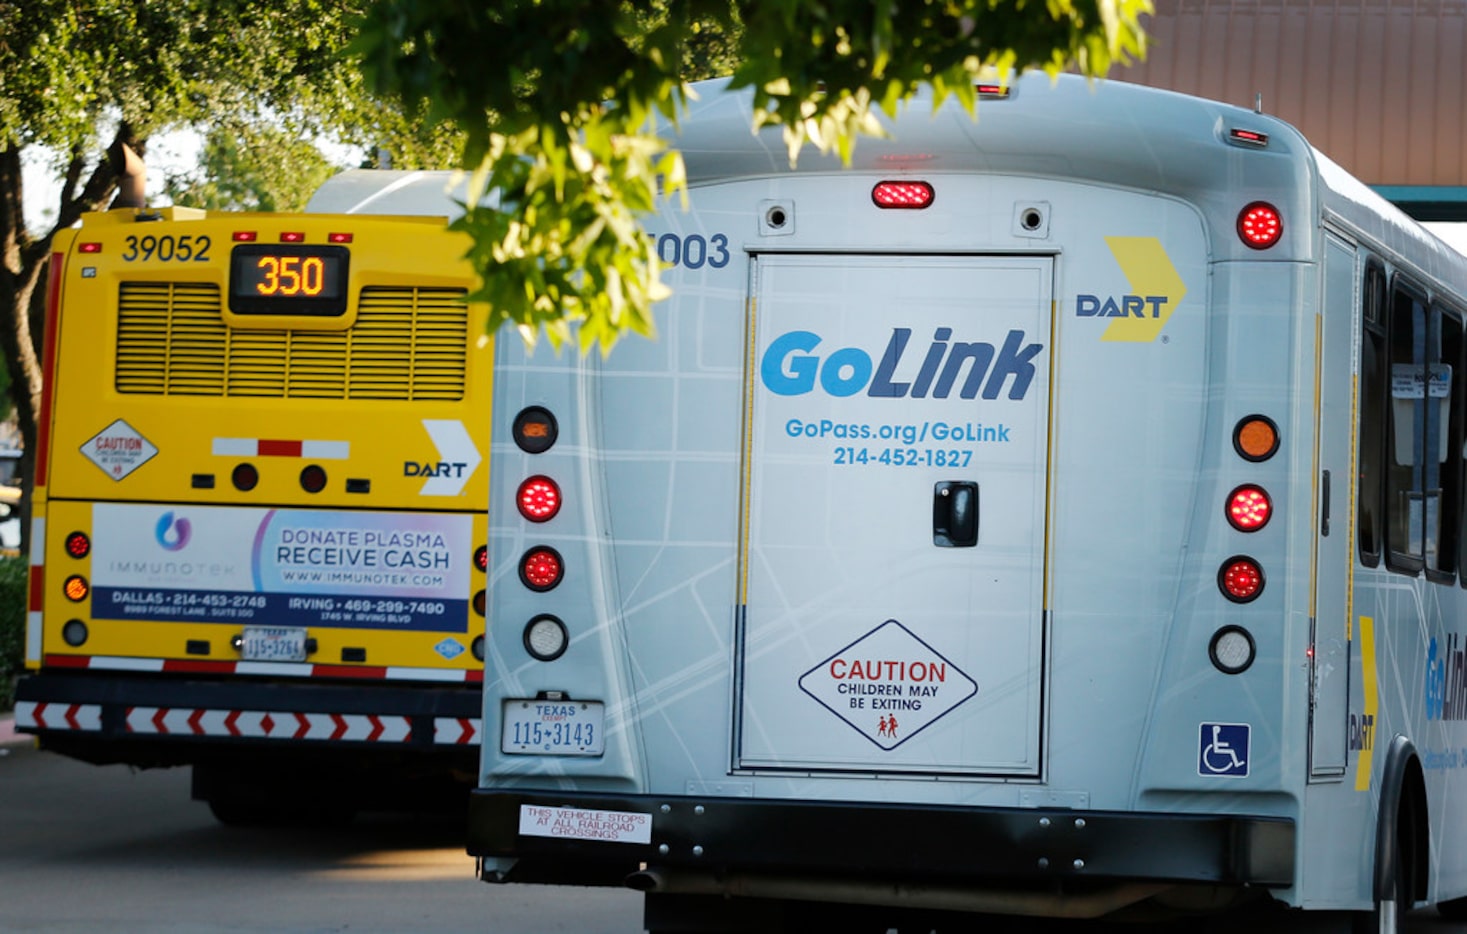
<point>1367,664</point>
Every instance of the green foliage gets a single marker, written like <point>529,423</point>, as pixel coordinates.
<point>817,68</point>
<point>268,73</point>
<point>68,64</point>
<point>560,248</point>
<point>13,574</point>
<point>562,129</point>
<point>252,168</point>
<point>80,78</point>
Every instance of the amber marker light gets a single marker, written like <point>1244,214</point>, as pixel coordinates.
<point>76,588</point>
<point>1256,438</point>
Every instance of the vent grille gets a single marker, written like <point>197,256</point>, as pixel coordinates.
<point>408,344</point>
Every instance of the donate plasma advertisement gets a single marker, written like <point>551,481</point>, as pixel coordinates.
<point>406,571</point>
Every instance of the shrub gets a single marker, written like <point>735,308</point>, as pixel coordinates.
<point>13,574</point>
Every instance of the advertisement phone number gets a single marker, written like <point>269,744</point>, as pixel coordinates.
<point>418,607</point>
<point>902,457</point>
<point>236,601</point>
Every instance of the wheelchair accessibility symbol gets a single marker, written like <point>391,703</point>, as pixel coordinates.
<point>1223,749</point>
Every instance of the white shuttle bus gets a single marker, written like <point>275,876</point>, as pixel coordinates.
<point>1053,515</point>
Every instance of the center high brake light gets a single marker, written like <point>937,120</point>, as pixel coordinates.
<point>904,195</point>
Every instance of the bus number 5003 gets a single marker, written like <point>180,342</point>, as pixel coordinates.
<point>693,251</point>
<point>291,275</point>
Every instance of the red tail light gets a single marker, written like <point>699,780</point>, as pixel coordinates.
<point>538,499</point>
<point>1260,225</point>
<point>78,545</point>
<point>1241,579</point>
<point>313,478</point>
<point>541,568</point>
<point>1249,508</point>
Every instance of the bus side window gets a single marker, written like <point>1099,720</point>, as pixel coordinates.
<point>1373,389</point>
<point>1444,441</point>
<point>1411,506</point>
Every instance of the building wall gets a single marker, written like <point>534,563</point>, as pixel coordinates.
<point>1380,86</point>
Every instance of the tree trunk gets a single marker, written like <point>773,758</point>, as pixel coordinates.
<point>23,262</point>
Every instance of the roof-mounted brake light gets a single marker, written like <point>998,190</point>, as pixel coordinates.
<point>902,195</point>
<point>1250,137</point>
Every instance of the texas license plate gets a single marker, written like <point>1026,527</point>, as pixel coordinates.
<point>553,728</point>
<point>273,644</point>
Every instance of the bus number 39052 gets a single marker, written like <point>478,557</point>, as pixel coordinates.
<point>184,249</point>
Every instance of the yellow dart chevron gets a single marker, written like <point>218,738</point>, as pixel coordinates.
<point>1152,277</point>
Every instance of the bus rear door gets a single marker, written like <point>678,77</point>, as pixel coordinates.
<point>893,549</point>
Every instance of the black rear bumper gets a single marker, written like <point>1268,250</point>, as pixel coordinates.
<point>715,838</point>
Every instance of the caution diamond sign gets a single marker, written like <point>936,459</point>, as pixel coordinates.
<point>888,685</point>
<point>118,449</point>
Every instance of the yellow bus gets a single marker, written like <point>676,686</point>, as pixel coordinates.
<point>258,529</point>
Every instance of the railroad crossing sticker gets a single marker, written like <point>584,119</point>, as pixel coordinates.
<point>888,685</point>
<point>118,449</point>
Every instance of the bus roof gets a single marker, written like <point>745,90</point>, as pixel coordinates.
<point>1102,131</point>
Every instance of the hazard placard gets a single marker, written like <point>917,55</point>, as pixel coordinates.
<point>118,449</point>
<point>888,685</point>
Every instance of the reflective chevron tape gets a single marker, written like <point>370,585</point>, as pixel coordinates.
<point>456,731</point>
<point>248,724</point>
<point>47,716</point>
<point>272,724</point>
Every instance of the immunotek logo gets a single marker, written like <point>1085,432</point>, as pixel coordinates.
<point>172,533</point>
<point>791,366</point>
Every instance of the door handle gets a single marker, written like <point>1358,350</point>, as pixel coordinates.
<point>955,514</point>
<point>1324,505</point>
